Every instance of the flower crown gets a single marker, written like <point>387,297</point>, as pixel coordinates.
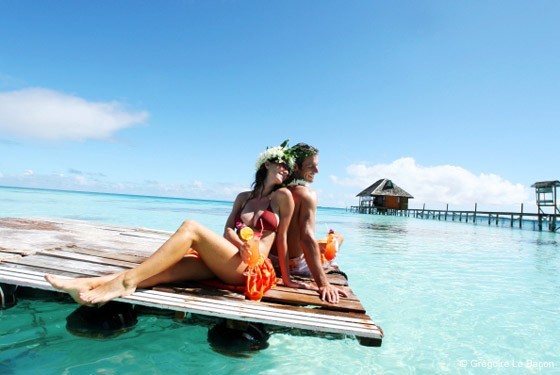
<point>277,154</point>
<point>301,151</point>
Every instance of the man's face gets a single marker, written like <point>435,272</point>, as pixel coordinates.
<point>309,168</point>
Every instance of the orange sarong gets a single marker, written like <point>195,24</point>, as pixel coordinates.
<point>262,279</point>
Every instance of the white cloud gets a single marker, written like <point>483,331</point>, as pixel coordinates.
<point>98,182</point>
<point>438,185</point>
<point>47,114</point>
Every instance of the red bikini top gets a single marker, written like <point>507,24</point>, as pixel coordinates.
<point>267,221</point>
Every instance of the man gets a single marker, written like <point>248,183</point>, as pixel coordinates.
<point>303,249</point>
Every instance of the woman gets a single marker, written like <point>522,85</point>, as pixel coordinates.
<point>267,209</point>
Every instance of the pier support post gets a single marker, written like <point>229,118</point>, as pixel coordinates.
<point>474,214</point>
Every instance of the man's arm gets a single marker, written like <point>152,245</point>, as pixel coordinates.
<point>310,247</point>
<point>286,205</point>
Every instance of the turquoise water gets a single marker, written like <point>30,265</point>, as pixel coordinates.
<point>450,297</point>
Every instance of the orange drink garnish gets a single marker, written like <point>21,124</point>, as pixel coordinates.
<point>246,233</point>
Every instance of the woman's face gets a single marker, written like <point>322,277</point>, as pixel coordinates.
<point>277,172</point>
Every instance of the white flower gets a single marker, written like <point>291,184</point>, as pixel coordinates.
<point>299,182</point>
<point>277,153</point>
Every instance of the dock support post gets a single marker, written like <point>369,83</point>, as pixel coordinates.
<point>521,216</point>
<point>474,215</point>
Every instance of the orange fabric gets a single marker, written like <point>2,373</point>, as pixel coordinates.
<point>260,279</point>
<point>264,278</point>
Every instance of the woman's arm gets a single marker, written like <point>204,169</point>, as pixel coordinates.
<point>229,231</point>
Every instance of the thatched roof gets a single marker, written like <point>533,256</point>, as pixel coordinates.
<point>384,187</point>
<point>545,184</point>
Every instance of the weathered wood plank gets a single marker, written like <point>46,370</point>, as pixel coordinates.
<point>24,269</point>
<point>200,290</point>
<point>258,312</point>
<point>4,256</point>
<point>122,256</point>
<point>302,297</point>
<point>88,258</point>
<point>54,264</point>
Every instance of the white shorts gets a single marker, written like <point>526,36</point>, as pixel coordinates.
<point>298,266</point>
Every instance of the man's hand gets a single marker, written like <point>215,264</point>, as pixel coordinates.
<point>331,293</point>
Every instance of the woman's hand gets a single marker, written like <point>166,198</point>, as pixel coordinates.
<point>244,251</point>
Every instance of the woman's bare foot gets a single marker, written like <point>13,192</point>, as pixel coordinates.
<point>76,286</point>
<point>111,289</point>
<point>71,286</point>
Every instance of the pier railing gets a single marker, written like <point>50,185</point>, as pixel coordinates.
<point>534,221</point>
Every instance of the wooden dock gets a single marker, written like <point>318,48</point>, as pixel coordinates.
<point>534,221</point>
<point>31,248</point>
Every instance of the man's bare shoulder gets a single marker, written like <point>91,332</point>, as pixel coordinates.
<point>303,193</point>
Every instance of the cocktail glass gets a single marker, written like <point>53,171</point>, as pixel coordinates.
<point>253,261</point>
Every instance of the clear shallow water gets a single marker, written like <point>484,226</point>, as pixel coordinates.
<point>450,297</point>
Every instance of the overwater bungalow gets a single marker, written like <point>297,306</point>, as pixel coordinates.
<point>383,195</point>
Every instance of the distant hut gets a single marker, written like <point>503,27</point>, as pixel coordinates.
<point>547,197</point>
<point>383,195</point>
<point>546,194</point>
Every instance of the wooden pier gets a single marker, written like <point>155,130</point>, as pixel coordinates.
<point>31,248</point>
<point>511,219</point>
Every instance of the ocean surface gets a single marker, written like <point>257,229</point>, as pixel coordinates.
<point>452,298</point>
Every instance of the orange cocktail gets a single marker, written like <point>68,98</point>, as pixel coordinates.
<point>253,239</point>
<point>329,246</point>
<point>254,249</point>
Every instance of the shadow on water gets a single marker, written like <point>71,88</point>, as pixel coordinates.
<point>235,342</point>
<point>116,318</point>
<point>542,242</point>
<point>7,296</point>
<point>383,227</point>
<point>108,321</point>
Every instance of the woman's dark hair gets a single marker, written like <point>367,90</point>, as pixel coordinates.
<point>258,184</point>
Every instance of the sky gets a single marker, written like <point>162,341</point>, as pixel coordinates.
<point>457,102</point>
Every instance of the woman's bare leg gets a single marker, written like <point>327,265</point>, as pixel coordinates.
<point>188,268</point>
<point>219,256</point>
